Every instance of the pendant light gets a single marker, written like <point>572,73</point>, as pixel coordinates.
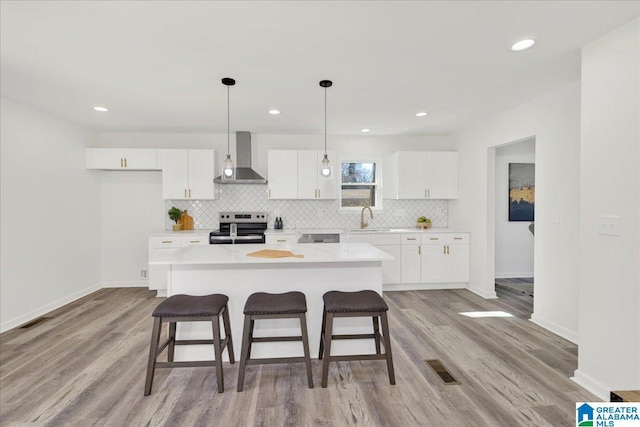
<point>325,170</point>
<point>228,168</point>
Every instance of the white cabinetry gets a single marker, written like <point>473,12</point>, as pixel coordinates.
<point>410,258</point>
<point>294,174</point>
<point>389,243</point>
<point>425,175</point>
<point>445,258</point>
<point>121,159</point>
<point>188,174</point>
<point>282,174</point>
<point>167,244</point>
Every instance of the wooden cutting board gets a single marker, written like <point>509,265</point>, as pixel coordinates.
<point>186,220</point>
<point>273,253</point>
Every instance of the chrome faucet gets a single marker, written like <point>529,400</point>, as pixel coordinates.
<point>363,224</point>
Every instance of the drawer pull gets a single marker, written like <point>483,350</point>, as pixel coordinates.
<point>411,238</point>
<point>457,238</point>
<point>281,240</point>
<point>194,241</point>
<point>167,241</point>
<point>434,238</point>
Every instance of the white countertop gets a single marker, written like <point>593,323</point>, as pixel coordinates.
<point>355,231</point>
<point>179,233</point>
<point>313,253</point>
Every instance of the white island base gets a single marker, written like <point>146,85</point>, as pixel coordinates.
<point>203,270</point>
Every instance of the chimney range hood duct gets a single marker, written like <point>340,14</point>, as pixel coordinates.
<point>244,173</point>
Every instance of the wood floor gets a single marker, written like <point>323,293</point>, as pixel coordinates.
<point>86,364</point>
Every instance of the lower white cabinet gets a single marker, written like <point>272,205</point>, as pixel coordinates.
<point>410,258</point>
<point>445,258</point>
<point>166,244</point>
<point>284,238</point>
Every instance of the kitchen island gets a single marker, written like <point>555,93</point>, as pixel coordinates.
<point>226,269</point>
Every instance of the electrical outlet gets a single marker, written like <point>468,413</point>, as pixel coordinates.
<point>143,274</point>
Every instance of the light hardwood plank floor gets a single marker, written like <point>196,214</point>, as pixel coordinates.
<point>86,365</point>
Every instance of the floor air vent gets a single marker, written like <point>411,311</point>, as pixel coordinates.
<point>442,372</point>
<point>34,322</point>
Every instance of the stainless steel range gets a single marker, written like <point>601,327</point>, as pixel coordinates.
<point>250,225</point>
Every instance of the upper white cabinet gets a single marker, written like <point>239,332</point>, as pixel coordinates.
<point>294,174</point>
<point>424,175</point>
<point>188,174</point>
<point>282,174</point>
<point>121,159</point>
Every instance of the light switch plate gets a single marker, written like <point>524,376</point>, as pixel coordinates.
<point>609,225</point>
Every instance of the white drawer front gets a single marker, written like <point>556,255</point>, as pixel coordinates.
<point>359,238</point>
<point>166,242</point>
<point>411,239</point>
<point>458,238</point>
<point>284,238</point>
<point>434,238</point>
<point>386,239</point>
<point>195,240</point>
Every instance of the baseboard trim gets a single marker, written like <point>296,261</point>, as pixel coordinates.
<point>129,284</point>
<point>593,386</point>
<point>17,321</point>
<point>421,286</point>
<point>483,293</point>
<point>555,328</point>
<point>527,275</point>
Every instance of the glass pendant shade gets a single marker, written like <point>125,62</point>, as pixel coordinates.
<point>326,167</point>
<point>228,168</point>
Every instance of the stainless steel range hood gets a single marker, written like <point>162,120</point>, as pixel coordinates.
<point>244,173</point>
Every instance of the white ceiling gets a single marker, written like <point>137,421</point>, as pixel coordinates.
<point>158,64</point>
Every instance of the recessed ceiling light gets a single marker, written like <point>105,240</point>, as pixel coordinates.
<point>365,130</point>
<point>274,112</point>
<point>101,109</point>
<point>421,114</point>
<point>522,45</point>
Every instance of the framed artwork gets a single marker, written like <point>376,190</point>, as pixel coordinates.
<point>522,191</point>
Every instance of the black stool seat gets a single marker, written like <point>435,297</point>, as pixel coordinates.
<point>191,306</point>
<point>287,303</point>
<point>366,303</point>
<point>349,302</point>
<point>261,305</point>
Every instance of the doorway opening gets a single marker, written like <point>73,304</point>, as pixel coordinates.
<point>514,227</point>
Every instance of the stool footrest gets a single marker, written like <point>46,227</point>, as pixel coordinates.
<point>275,360</point>
<point>275,339</point>
<point>353,357</point>
<point>186,364</point>
<point>352,336</point>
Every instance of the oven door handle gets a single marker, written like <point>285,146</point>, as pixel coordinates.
<point>228,238</point>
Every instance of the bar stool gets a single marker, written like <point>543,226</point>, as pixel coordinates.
<point>189,308</point>
<point>365,303</point>
<point>262,305</point>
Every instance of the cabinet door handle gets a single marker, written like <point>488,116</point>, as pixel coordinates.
<point>125,162</point>
<point>318,193</point>
<point>447,249</point>
<point>167,241</point>
<point>121,163</point>
<point>428,193</point>
<point>425,193</point>
<point>444,249</point>
<point>185,193</point>
<point>419,250</point>
<point>269,191</point>
<point>189,193</point>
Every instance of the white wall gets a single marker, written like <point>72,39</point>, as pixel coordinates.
<point>609,353</point>
<point>132,205</point>
<point>554,121</point>
<point>514,241</point>
<point>50,215</point>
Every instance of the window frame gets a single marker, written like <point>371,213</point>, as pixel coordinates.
<point>377,184</point>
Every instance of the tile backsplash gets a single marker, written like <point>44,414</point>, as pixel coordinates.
<point>305,213</point>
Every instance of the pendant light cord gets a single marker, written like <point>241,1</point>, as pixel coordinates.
<point>228,125</point>
<point>325,120</point>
